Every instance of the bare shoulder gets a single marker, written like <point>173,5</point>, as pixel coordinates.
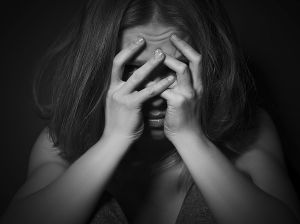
<point>45,166</point>
<point>267,142</point>
<point>264,163</point>
<point>266,145</point>
<point>43,151</point>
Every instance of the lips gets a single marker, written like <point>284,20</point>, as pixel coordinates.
<point>155,114</point>
<point>154,111</point>
<point>155,118</point>
<point>155,123</point>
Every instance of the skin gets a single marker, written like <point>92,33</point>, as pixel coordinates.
<point>266,197</point>
<point>157,36</point>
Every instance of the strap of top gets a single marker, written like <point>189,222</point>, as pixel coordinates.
<point>194,210</point>
<point>108,211</point>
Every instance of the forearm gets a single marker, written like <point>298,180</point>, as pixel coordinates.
<point>73,195</point>
<point>231,196</point>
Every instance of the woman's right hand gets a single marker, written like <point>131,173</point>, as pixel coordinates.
<point>123,102</point>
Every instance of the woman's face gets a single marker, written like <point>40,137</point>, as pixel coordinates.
<point>156,36</point>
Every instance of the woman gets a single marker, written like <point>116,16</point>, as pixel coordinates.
<point>172,136</point>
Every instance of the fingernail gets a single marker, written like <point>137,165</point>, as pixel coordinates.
<point>158,54</point>
<point>174,37</point>
<point>139,41</point>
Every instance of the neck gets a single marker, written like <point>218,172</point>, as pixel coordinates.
<point>150,152</point>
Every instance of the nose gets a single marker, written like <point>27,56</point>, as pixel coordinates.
<point>155,103</point>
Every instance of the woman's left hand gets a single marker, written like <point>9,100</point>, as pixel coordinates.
<point>184,95</point>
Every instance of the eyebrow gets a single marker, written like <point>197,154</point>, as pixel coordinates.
<point>140,63</point>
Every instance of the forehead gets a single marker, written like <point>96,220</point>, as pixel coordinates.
<point>156,36</point>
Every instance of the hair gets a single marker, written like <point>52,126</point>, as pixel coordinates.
<point>78,68</point>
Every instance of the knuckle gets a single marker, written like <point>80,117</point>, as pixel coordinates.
<point>183,68</point>
<point>182,43</point>
<point>150,91</point>
<point>116,97</point>
<point>136,77</point>
<point>191,94</point>
<point>109,94</point>
<point>180,100</point>
<point>198,59</point>
<point>117,61</point>
<point>128,102</point>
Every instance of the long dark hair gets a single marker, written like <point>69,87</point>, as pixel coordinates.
<point>78,68</point>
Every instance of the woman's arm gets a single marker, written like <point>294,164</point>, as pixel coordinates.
<point>54,194</point>
<point>232,197</point>
<point>74,191</point>
<point>268,197</point>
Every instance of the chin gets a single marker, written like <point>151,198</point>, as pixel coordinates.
<point>155,128</point>
<point>157,134</point>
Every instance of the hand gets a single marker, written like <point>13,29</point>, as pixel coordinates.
<point>183,97</point>
<point>123,103</point>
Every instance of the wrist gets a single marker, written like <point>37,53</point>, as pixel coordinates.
<point>186,137</point>
<point>185,133</point>
<point>117,138</point>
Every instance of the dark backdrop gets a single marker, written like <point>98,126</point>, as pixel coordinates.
<point>268,31</point>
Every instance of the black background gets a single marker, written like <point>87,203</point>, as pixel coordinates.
<point>267,29</point>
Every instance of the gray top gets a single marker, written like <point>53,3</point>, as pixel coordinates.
<point>194,210</point>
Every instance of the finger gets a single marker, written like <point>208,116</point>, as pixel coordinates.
<point>173,99</point>
<point>141,73</point>
<point>122,57</point>
<point>169,95</point>
<point>154,89</point>
<point>193,56</point>
<point>181,69</point>
<point>190,53</point>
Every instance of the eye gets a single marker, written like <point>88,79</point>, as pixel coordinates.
<point>128,71</point>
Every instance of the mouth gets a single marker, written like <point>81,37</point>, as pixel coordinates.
<point>154,111</point>
<point>155,114</point>
<point>155,118</point>
<point>156,123</point>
